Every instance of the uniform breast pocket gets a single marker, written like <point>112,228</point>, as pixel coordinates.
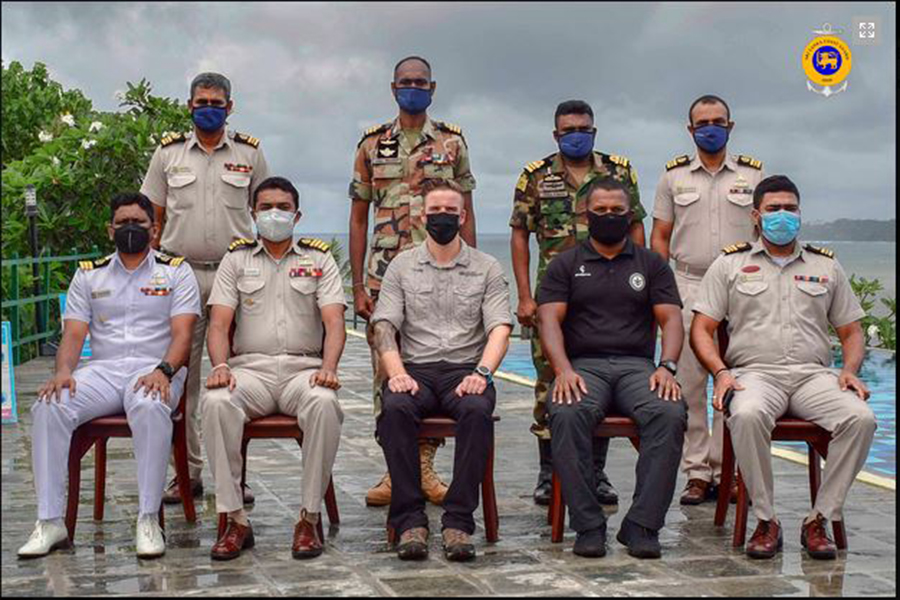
<point>181,190</point>
<point>686,206</point>
<point>251,296</point>
<point>236,190</point>
<point>305,296</point>
<point>387,186</point>
<point>813,296</point>
<point>421,302</point>
<point>739,206</point>
<point>752,302</point>
<point>468,306</point>
<point>556,217</point>
<point>433,171</point>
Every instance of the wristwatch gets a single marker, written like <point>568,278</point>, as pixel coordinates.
<point>669,365</point>
<point>166,369</point>
<point>486,373</point>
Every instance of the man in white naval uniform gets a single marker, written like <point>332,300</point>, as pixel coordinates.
<point>140,307</point>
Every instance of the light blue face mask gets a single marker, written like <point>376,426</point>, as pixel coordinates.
<point>781,227</point>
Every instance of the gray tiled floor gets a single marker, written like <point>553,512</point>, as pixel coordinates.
<point>698,559</point>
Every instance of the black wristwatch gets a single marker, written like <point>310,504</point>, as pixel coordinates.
<point>669,365</point>
<point>486,373</point>
<point>166,369</point>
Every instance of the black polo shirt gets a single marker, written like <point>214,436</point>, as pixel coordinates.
<point>610,302</point>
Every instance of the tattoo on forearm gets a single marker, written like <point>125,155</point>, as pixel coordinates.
<point>385,337</point>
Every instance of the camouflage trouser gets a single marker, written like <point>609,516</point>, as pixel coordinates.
<point>540,427</point>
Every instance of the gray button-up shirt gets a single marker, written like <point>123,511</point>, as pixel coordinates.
<point>443,312</point>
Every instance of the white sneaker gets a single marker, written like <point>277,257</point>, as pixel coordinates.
<point>151,542</point>
<point>47,537</point>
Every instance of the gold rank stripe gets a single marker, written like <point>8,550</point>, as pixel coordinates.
<point>316,244</point>
<point>247,139</point>
<point>177,261</point>
<point>743,246</point>
<point>236,244</point>
<point>534,166</point>
<point>171,139</point>
<point>451,128</point>
<point>619,160</point>
<point>750,161</point>
<point>677,161</point>
<point>86,265</point>
<point>823,251</point>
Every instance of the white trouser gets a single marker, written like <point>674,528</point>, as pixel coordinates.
<point>103,388</point>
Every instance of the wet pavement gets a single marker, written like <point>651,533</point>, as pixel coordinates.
<point>697,556</point>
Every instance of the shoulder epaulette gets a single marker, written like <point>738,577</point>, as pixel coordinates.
<point>372,131</point>
<point>739,247</point>
<point>242,243</point>
<point>172,138</point>
<point>823,251</point>
<point>448,127</point>
<point>749,161</point>
<point>246,139</point>
<point>314,243</point>
<point>165,259</point>
<point>678,161</point>
<point>534,166</point>
<point>618,160</point>
<point>87,265</point>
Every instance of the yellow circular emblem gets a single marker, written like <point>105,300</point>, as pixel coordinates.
<point>827,60</point>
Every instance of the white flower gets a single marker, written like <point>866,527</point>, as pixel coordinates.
<point>56,162</point>
<point>95,127</point>
<point>872,332</point>
<point>152,139</point>
<point>119,95</point>
<point>88,144</point>
<point>67,119</point>
<point>45,136</point>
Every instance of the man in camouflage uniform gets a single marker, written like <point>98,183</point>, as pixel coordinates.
<point>547,202</point>
<point>392,161</point>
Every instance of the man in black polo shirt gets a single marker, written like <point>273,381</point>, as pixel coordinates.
<point>597,307</point>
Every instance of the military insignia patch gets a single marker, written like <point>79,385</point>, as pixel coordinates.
<point>637,282</point>
<point>246,139</point>
<point>749,161</point>
<point>388,148</point>
<point>242,243</point>
<point>619,160</point>
<point>811,278</point>
<point>172,138</point>
<point>522,183</point>
<point>678,161</point>
<point>314,244</point>
<point>238,168</point>
<point>741,247</point>
<point>534,166</point>
<point>823,251</point>
<point>305,272</point>
<point>156,291</point>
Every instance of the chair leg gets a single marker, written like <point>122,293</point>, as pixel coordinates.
<point>558,508</point>
<point>334,517</point>
<point>815,474</point>
<point>724,498</point>
<point>636,442</point>
<point>244,444</point>
<point>182,474</point>
<point>489,500</point>
<point>77,449</point>
<point>162,516</point>
<point>740,514</point>
<point>99,478</point>
<point>840,534</point>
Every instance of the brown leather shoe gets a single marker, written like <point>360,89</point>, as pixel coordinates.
<point>814,537</point>
<point>458,546</point>
<point>236,538</point>
<point>172,496</point>
<point>766,541</point>
<point>432,486</point>
<point>306,541</point>
<point>695,492</point>
<point>380,495</point>
<point>413,544</point>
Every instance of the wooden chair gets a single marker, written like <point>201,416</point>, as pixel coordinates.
<point>612,426</point>
<point>96,433</point>
<point>445,427</point>
<point>280,426</point>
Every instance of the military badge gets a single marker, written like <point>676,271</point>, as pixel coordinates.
<point>827,62</point>
<point>811,278</point>
<point>305,272</point>
<point>156,291</point>
<point>637,282</point>
<point>238,168</point>
<point>388,149</point>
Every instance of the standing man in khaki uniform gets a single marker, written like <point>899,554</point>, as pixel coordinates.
<point>779,299</point>
<point>201,184</point>
<point>547,203</point>
<point>287,301</point>
<point>392,162</point>
<point>702,204</point>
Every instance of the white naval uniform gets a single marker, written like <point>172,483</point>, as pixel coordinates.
<point>129,315</point>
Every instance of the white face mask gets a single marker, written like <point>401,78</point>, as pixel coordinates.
<point>275,225</point>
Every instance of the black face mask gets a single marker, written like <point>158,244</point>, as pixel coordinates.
<point>132,238</point>
<point>442,227</point>
<point>608,229</point>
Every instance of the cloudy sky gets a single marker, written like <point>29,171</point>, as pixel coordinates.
<point>308,78</point>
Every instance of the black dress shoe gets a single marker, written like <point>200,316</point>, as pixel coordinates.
<point>591,543</point>
<point>606,493</point>
<point>543,492</point>
<point>641,541</point>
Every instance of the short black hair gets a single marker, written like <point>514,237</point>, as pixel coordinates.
<point>604,183</point>
<point>127,199</point>
<point>708,99</point>
<point>773,183</point>
<point>277,183</point>
<point>409,58</point>
<point>572,107</point>
<point>214,81</point>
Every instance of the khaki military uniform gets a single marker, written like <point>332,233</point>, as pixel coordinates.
<point>708,211</point>
<point>780,352</point>
<point>207,200</point>
<point>277,348</point>
<point>546,202</point>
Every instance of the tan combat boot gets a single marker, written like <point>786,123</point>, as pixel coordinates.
<point>380,495</point>
<point>432,486</point>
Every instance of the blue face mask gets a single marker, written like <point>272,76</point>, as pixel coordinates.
<point>413,100</point>
<point>711,138</point>
<point>780,228</point>
<point>576,144</point>
<point>209,118</point>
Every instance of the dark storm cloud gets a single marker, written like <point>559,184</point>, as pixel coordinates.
<point>309,77</point>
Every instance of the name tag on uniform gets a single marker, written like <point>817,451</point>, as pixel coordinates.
<point>251,271</point>
<point>156,291</point>
<point>101,294</point>
<point>683,189</point>
<point>305,272</point>
<point>748,277</point>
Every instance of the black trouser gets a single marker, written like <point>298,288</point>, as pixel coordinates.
<point>398,425</point>
<point>622,383</point>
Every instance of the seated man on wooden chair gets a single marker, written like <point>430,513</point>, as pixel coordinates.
<point>597,306</point>
<point>779,298</point>
<point>450,305</point>
<point>287,302</point>
<point>139,306</point>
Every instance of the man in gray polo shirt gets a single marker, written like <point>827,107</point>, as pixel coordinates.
<point>450,305</point>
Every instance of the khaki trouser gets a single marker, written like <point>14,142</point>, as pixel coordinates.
<point>702,455</point>
<point>266,385</point>
<point>808,392</point>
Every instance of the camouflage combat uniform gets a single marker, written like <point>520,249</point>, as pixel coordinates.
<point>547,203</point>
